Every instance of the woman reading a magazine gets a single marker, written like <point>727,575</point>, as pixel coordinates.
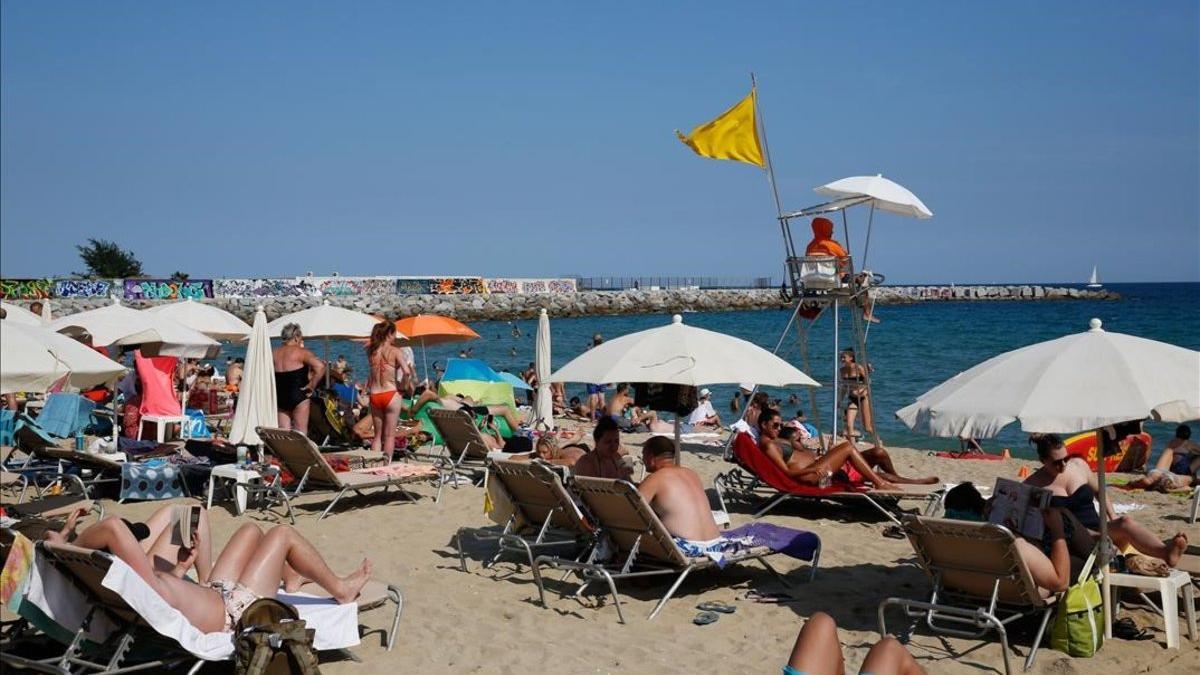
<point>1074,486</point>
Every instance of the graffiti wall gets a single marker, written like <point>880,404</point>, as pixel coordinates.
<point>343,286</point>
<point>442,286</point>
<point>167,289</point>
<point>261,288</point>
<point>25,289</point>
<point>83,288</point>
<point>531,285</point>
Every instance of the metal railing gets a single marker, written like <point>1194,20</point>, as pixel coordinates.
<point>646,283</point>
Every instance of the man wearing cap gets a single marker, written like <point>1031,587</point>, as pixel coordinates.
<point>704,415</point>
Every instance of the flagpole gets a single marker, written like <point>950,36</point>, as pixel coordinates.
<point>762,125</point>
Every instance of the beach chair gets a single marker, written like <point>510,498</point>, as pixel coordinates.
<point>463,447</point>
<point>1194,510</point>
<point>757,476</point>
<point>642,546</point>
<point>58,464</point>
<point>303,459</point>
<point>980,582</point>
<point>543,514</point>
<point>149,634</point>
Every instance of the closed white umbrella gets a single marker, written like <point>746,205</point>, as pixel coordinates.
<point>681,354</point>
<point>34,358</point>
<point>883,194</point>
<point>18,314</point>
<point>544,402</point>
<point>256,406</point>
<point>46,315</point>
<point>213,321</point>
<point>327,321</point>
<point>1075,383</point>
<point>119,325</point>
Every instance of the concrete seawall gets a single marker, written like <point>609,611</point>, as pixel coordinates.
<point>502,306</point>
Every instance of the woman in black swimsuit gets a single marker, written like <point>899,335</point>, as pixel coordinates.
<point>297,372</point>
<point>854,379</point>
<point>1073,485</point>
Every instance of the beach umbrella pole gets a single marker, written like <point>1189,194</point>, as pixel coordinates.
<point>1105,588</point>
<point>678,441</point>
<point>837,375</point>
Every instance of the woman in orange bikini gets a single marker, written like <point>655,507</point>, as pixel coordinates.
<point>387,366</point>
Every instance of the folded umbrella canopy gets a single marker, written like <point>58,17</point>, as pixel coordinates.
<point>213,321</point>
<point>256,405</point>
<point>34,359</point>
<point>544,403</point>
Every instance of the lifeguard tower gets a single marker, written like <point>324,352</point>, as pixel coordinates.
<point>820,285</point>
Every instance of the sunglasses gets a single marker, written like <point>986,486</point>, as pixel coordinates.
<point>1060,463</point>
<point>774,425</point>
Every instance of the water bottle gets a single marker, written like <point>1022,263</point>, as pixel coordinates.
<point>80,444</point>
<point>241,455</point>
<point>826,479</point>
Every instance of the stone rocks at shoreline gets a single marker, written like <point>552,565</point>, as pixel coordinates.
<point>499,306</point>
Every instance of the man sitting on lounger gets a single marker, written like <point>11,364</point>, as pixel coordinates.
<point>676,494</point>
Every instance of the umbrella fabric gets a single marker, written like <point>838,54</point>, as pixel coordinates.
<point>516,382</point>
<point>326,321</point>
<point>33,359</point>
<point>544,403</point>
<point>256,404</point>
<point>18,314</point>
<point>887,195</point>
<point>470,369</point>
<point>1075,383</point>
<point>213,321</point>
<point>431,329</point>
<point>681,354</point>
<point>117,324</point>
<point>46,312</point>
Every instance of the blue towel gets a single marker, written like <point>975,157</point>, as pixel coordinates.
<point>65,414</point>
<point>8,422</point>
<point>197,428</point>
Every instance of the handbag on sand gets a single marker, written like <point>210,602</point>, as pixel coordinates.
<point>1078,628</point>
<point>271,639</point>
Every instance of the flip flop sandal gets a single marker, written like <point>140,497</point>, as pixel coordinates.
<point>705,618</point>
<point>769,598</point>
<point>894,532</point>
<point>713,606</point>
<point>1126,629</point>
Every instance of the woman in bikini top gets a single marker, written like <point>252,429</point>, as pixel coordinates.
<point>385,400</point>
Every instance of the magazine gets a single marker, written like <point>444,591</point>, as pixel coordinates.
<point>1018,506</point>
<point>185,520</point>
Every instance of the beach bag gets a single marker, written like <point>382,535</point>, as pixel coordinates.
<point>1078,628</point>
<point>271,639</point>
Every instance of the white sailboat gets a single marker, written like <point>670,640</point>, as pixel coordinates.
<point>1094,280</point>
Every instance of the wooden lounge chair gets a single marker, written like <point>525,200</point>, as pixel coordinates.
<point>980,582</point>
<point>757,476</point>
<point>641,544</point>
<point>462,443</point>
<point>544,514</point>
<point>302,458</point>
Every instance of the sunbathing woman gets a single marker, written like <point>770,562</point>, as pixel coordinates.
<point>548,450</point>
<point>460,402</point>
<point>801,464</point>
<point>1178,467</point>
<point>1074,486</point>
<point>251,567</point>
<point>818,651</point>
<point>387,366</point>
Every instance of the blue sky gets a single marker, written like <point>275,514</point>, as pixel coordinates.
<point>520,139</point>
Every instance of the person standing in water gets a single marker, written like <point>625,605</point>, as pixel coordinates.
<point>297,372</point>
<point>388,366</point>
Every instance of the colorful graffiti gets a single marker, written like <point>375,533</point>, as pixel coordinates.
<point>561,285</point>
<point>343,286</point>
<point>442,286</point>
<point>504,286</point>
<point>25,289</point>
<point>168,289</point>
<point>261,288</point>
<point>82,288</point>
<point>514,286</point>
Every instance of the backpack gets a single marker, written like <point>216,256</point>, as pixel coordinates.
<point>326,425</point>
<point>1078,628</point>
<point>271,639</point>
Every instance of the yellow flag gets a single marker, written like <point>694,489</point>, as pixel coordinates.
<point>732,135</point>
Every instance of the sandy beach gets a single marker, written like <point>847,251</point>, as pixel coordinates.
<point>488,621</point>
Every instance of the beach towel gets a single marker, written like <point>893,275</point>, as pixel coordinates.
<point>65,414</point>
<point>17,569</point>
<point>8,421</point>
<point>400,470</point>
<point>157,374</point>
<point>797,544</point>
<point>151,480</point>
<point>196,425</point>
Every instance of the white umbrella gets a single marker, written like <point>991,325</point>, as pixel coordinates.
<point>327,321</point>
<point>213,321</point>
<point>119,325</point>
<point>18,314</point>
<point>544,402</point>
<point>46,315</point>
<point>886,195</point>
<point>681,354</point>
<point>256,405</point>
<point>1075,383</point>
<point>34,358</point>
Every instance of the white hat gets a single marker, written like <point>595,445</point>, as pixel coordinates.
<point>704,393</point>
<point>746,387</point>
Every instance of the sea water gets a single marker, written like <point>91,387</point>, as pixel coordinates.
<point>913,348</point>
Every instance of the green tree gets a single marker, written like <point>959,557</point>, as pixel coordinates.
<point>179,276</point>
<point>106,260</point>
